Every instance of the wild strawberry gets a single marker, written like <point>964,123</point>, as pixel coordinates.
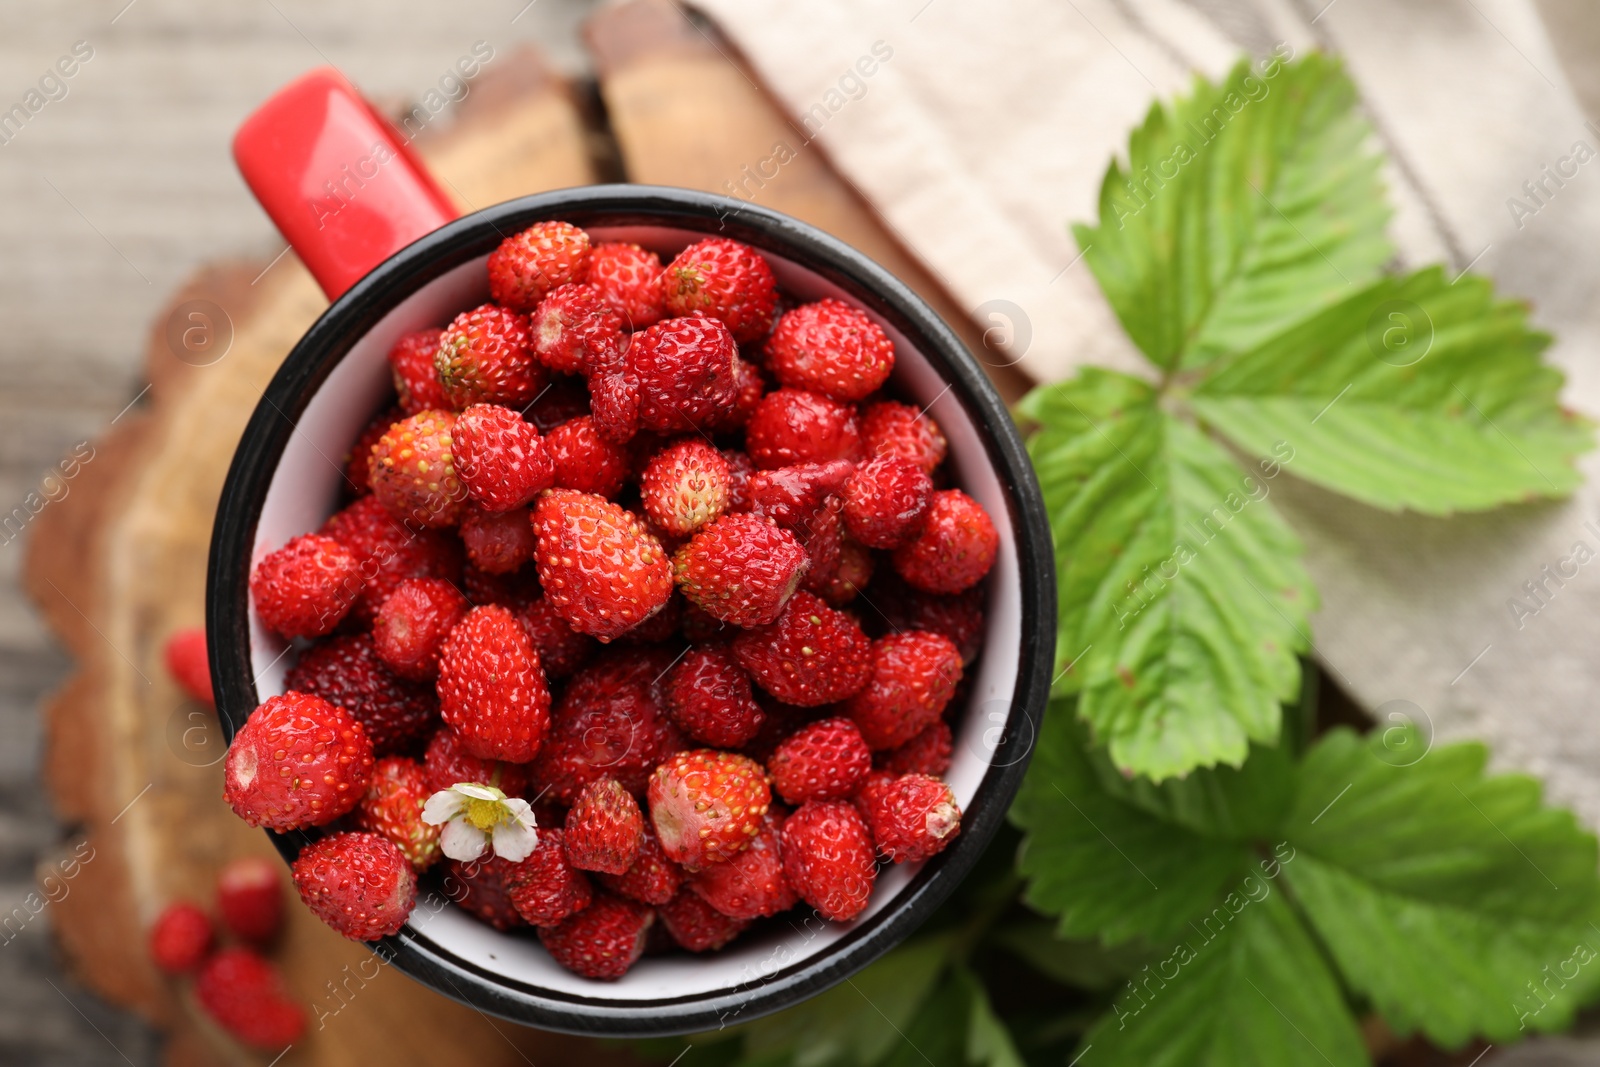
<point>708,695</point>
<point>486,357</point>
<point>561,401</point>
<point>358,464</point>
<point>574,330</point>
<point>416,378</point>
<point>685,372</point>
<point>652,879</point>
<point>187,662</point>
<point>607,723</point>
<point>699,626</point>
<point>604,828</point>
<point>479,887</point>
<point>412,624</point>
<point>306,587</point>
<point>778,722</point>
<point>586,461</point>
<point>695,925</point>
<point>515,590</point>
<point>447,762</point>
<point>828,858</point>
<point>601,941</point>
<point>247,996</point>
<point>502,460</point>
<point>491,689</point>
<point>662,626</point>
<point>891,428</point>
<point>529,264</point>
<point>498,542</point>
<point>825,760</point>
<point>752,386</point>
<point>792,426</point>
<point>812,654</point>
<point>561,649</point>
<point>822,536</point>
<point>959,616</point>
<point>360,884</point>
<point>790,496</point>
<point>887,501</point>
<point>740,468</point>
<point>628,279</point>
<point>181,937</point>
<point>250,898</point>
<point>297,761</point>
<point>853,574</point>
<point>707,805</point>
<point>545,888</point>
<point>955,549</point>
<point>347,671</point>
<point>832,348</point>
<point>911,817</point>
<point>392,809</point>
<point>601,569</point>
<point>914,674</point>
<point>927,753</point>
<point>389,553</point>
<point>684,486</point>
<point>740,569</point>
<point>726,280</point>
<point>751,884</point>
<point>414,470</point>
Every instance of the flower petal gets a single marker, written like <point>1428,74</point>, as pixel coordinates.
<point>462,841</point>
<point>477,791</point>
<point>443,806</point>
<point>520,811</point>
<point>515,841</point>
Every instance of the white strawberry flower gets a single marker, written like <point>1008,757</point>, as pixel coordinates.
<point>476,817</point>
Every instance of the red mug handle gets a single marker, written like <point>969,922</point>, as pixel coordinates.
<point>338,180</point>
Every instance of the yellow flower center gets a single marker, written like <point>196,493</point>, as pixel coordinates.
<point>485,814</point>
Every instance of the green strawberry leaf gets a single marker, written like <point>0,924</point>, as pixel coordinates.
<point>989,1042</point>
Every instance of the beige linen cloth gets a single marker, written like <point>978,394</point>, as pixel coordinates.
<point>985,127</point>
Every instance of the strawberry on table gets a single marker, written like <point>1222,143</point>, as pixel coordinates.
<point>707,805</point>
<point>187,662</point>
<point>360,884</point>
<point>298,761</point>
<point>181,937</point>
<point>250,898</point>
<point>247,996</point>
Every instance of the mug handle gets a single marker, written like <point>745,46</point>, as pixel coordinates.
<point>338,180</point>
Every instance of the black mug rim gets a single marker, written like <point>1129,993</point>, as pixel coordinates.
<point>360,308</point>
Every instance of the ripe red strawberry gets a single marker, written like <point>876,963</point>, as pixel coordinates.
<point>529,264</point>
<point>605,828</point>
<point>955,549</point>
<point>684,486</point>
<point>447,762</point>
<point>601,941</point>
<point>412,624</point>
<point>358,464</point>
<point>389,553</point>
<point>790,496</point>
<point>792,426</point>
<point>853,574</point>
<point>822,536</point>
<point>360,884</point>
<point>181,937</point>
<point>601,569</point>
<point>927,753</point>
<point>561,649</point>
<point>575,330</point>
<point>250,898</point>
<point>187,662</point>
<point>708,695</point>
<point>414,470</point>
<point>891,428</point>
<point>707,805</point>
<point>486,357</point>
<point>740,569</point>
<point>832,348</point>
<point>482,888</point>
<point>740,468</point>
<point>812,654</point>
<point>584,460</point>
<point>498,542</point>
<point>911,817</point>
<point>614,401</point>
<point>628,279</point>
<point>695,925</point>
<point>685,373</point>
<point>306,587</point>
<point>492,691</point>
<point>914,674</point>
<point>658,628</point>
<point>959,617</point>
<point>887,501</point>
<point>502,460</point>
<point>824,760</point>
<point>752,386</point>
<point>607,723</point>
<point>298,761</point>
<point>751,884</point>
<point>562,400</point>
<point>652,879</point>
<point>726,280</point>
<point>392,808</point>
<point>416,378</point>
<point>346,670</point>
<point>546,888</point>
<point>828,858</point>
<point>247,996</point>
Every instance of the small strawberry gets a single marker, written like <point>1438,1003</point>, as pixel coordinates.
<point>447,762</point>
<point>912,817</point>
<point>562,400</point>
<point>832,348</point>
<point>824,760</point>
<point>751,884</point>
<point>360,884</point>
<point>740,569</point>
<point>247,996</point>
<point>707,805</point>
<point>954,551</point>
<point>502,460</point>
<point>604,828</point>
<point>685,373</point>
<point>695,925</point>
<point>601,569</point>
<point>658,628</point>
<point>752,386</point>
<point>822,534</point>
<point>306,587</point>
<point>828,858</point>
<point>181,937</point>
<point>187,662</point>
<point>853,574</point>
<point>389,553</point>
<point>812,654</point>
<point>529,264</point>
<point>486,357</point>
<point>887,501</point>
<point>628,279</point>
<point>586,461</point>
<point>412,624</point>
<point>298,761</point>
<point>601,941</point>
<point>726,280</point>
<point>684,486</point>
<point>927,753</point>
<point>358,464</point>
<point>575,330</point>
<point>891,428</point>
<point>346,670</point>
<point>959,616</point>
<point>492,691</point>
<point>614,401</point>
<point>250,898</point>
<point>792,426</point>
<point>392,809</point>
<point>652,879</point>
<point>414,470</point>
<point>790,496</point>
<point>416,378</point>
<point>604,725</point>
<point>481,887</point>
<point>914,675</point>
<point>546,888</point>
<point>740,468</point>
<point>561,649</point>
<point>708,695</point>
<point>497,542</point>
